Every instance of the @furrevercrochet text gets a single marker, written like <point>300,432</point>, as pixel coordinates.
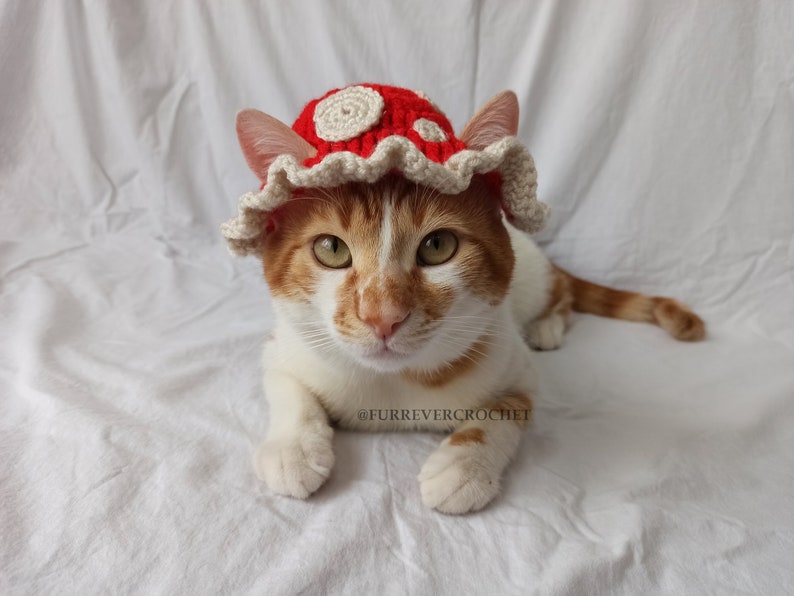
<point>441,414</point>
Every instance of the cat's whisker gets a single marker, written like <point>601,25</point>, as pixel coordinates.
<point>457,327</point>
<point>330,193</point>
<point>321,341</point>
<point>314,338</point>
<point>313,334</point>
<point>321,346</point>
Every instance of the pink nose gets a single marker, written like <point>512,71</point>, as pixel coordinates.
<point>386,323</point>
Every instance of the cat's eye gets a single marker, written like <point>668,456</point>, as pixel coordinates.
<point>437,247</point>
<point>332,252</point>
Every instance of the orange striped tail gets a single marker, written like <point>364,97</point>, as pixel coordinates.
<point>669,314</point>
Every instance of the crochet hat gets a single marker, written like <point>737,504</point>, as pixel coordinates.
<point>363,132</point>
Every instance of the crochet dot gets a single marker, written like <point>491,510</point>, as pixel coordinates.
<point>429,131</point>
<point>348,113</point>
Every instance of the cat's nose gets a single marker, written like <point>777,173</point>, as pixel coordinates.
<point>386,322</point>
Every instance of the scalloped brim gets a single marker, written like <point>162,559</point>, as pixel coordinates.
<point>508,156</point>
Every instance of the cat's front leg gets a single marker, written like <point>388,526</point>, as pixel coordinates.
<point>297,456</point>
<point>464,473</point>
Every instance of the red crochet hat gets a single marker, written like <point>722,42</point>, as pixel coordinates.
<point>362,132</point>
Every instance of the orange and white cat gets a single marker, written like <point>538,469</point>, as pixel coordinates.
<point>391,297</point>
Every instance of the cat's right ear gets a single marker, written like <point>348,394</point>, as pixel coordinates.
<point>263,138</point>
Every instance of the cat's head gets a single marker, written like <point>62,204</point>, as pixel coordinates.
<point>392,274</point>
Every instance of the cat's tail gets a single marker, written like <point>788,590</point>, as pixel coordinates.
<point>669,314</point>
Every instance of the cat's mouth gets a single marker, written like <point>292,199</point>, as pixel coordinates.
<point>386,352</point>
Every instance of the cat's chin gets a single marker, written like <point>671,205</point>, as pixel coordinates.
<point>385,360</point>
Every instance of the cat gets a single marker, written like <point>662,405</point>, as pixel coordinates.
<point>400,307</point>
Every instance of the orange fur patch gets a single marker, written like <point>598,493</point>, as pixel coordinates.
<point>606,302</point>
<point>288,274</point>
<point>516,407</point>
<point>560,298</point>
<point>468,437</point>
<point>678,320</point>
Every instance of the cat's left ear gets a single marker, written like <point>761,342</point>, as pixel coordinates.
<point>263,138</point>
<point>496,120</point>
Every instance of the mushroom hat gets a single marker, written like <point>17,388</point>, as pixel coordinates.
<point>361,133</point>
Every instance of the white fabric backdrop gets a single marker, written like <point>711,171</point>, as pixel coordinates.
<point>129,339</point>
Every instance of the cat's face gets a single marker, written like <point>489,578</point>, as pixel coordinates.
<point>392,274</point>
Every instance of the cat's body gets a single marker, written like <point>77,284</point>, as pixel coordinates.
<point>399,307</point>
<point>459,361</point>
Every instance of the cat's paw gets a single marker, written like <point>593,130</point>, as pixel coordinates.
<point>297,466</point>
<point>546,333</point>
<point>458,479</point>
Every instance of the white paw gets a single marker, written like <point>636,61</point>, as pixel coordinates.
<point>296,466</point>
<point>458,479</point>
<point>546,333</point>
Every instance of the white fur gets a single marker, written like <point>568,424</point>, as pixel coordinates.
<point>529,293</point>
<point>529,288</point>
<point>313,374</point>
<point>384,250</point>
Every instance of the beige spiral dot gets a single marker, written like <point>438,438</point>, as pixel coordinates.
<point>348,113</point>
